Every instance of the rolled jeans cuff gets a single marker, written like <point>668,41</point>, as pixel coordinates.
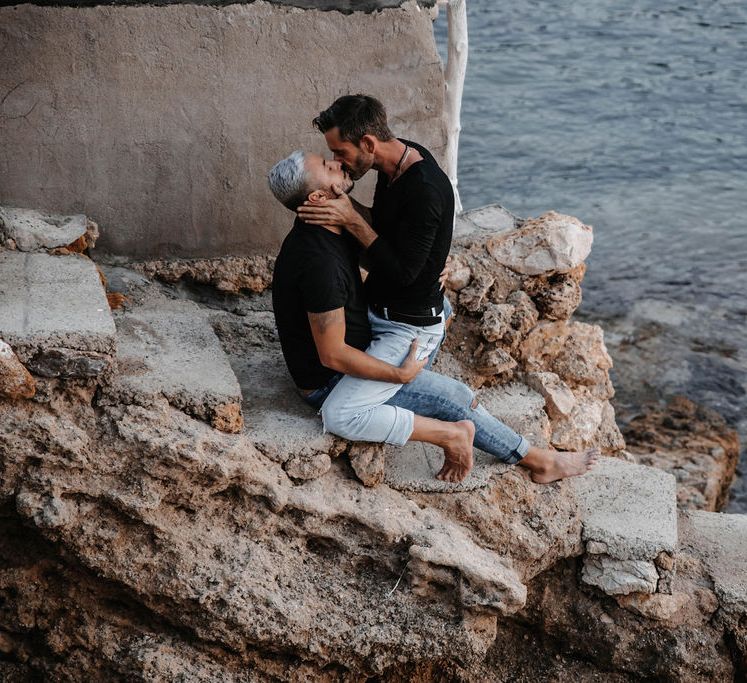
<point>404,424</point>
<point>522,449</point>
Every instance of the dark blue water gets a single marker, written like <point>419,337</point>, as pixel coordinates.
<point>633,117</point>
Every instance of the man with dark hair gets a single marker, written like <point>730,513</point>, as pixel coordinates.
<point>320,311</point>
<point>406,237</point>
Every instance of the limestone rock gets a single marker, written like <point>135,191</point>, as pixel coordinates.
<point>628,511</point>
<point>55,305</point>
<point>168,349</point>
<point>413,467</point>
<point>620,577</point>
<point>495,363</point>
<point>368,461</point>
<point>559,399</point>
<point>574,351</point>
<point>496,321</point>
<point>15,380</point>
<point>551,243</point>
<point>556,297</point>
<point>307,465</point>
<point>485,221</point>
<point>229,274</point>
<point>459,274</point>
<point>657,606</point>
<point>590,422</point>
<point>32,230</point>
<point>520,408</point>
<point>691,442</point>
<point>473,297</point>
<point>67,363</point>
<point>523,318</point>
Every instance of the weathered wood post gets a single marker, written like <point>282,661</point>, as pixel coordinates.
<point>456,68</point>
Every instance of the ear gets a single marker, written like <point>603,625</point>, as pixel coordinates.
<point>368,143</point>
<point>317,196</point>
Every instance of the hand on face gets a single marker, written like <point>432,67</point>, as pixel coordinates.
<point>337,211</point>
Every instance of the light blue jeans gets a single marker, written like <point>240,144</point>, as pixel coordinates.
<point>358,409</point>
<point>437,396</point>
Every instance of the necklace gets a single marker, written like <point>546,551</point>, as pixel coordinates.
<point>399,164</point>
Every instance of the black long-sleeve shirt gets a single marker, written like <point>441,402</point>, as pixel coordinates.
<point>414,219</point>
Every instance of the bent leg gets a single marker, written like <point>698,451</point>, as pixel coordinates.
<point>432,394</point>
<point>356,408</point>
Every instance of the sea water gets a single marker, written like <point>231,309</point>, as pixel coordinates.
<point>633,117</point>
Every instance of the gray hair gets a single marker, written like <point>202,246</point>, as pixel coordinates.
<point>289,180</point>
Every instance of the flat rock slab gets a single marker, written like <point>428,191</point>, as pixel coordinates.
<point>32,230</point>
<point>629,511</point>
<point>53,311</point>
<point>279,423</point>
<point>168,349</point>
<point>414,466</point>
<point>485,221</point>
<point>720,541</point>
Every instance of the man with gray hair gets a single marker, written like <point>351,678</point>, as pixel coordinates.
<point>328,337</point>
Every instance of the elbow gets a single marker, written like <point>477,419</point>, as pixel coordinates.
<point>331,360</point>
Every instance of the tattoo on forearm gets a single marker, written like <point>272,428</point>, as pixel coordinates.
<point>321,321</point>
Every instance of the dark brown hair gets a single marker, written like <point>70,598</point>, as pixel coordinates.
<point>355,116</point>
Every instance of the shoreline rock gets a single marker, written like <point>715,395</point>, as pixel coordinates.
<point>138,542</point>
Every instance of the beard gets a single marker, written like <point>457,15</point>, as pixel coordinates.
<point>362,165</point>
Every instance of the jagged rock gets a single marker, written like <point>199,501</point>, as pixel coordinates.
<point>550,243</point>
<point>69,363</point>
<point>459,274</point>
<point>495,363</point>
<point>657,606</point>
<point>620,577</point>
<point>368,461</point>
<point>228,274</point>
<point>691,442</point>
<point>31,230</point>
<point>15,380</point>
<point>140,524</point>
<point>559,399</point>
<point>496,321</point>
<point>591,422</point>
<point>574,351</point>
<point>523,318</point>
<point>473,297</point>
<point>556,296</point>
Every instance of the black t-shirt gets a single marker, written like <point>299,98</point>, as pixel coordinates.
<point>316,271</point>
<point>414,218</point>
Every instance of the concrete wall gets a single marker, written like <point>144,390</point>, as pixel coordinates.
<point>161,122</point>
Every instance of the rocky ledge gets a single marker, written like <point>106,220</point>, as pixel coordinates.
<point>179,514</point>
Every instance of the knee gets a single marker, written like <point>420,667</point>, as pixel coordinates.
<point>337,421</point>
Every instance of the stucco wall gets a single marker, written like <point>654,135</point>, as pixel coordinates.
<point>161,122</point>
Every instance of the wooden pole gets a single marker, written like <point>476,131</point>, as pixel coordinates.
<point>456,69</point>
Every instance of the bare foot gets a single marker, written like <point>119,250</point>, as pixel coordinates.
<point>458,453</point>
<point>562,465</point>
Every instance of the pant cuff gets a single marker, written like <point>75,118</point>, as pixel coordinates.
<point>521,450</point>
<point>404,423</point>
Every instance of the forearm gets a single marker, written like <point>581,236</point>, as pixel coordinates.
<point>362,231</point>
<point>364,211</point>
<point>351,361</point>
